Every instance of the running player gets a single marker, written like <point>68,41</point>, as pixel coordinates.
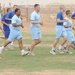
<point>15,33</point>
<point>73,17</point>
<point>6,24</point>
<point>60,31</point>
<point>68,27</point>
<point>9,17</point>
<point>35,24</point>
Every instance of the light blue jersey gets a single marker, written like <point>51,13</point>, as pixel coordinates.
<point>35,17</point>
<point>15,33</point>
<point>35,28</point>
<point>69,23</point>
<point>16,20</point>
<point>70,34</point>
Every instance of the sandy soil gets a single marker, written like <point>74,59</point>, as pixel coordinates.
<point>48,72</point>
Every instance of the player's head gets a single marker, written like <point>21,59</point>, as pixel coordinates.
<point>68,13</point>
<point>14,7</point>
<point>62,8</point>
<point>17,11</point>
<point>37,7</point>
<point>8,10</point>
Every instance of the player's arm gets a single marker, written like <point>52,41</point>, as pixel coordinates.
<point>67,26</point>
<point>60,21</point>
<point>8,19</point>
<point>5,23</point>
<point>17,25</point>
<point>73,18</point>
<point>35,22</point>
<point>73,28</point>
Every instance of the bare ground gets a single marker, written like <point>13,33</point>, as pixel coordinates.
<point>47,72</point>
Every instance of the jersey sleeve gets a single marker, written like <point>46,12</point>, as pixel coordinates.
<point>73,15</point>
<point>65,23</point>
<point>14,20</point>
<point>8,15</point>
<point>58,16</point>
<point>3,18</point>
<point>33,16</point>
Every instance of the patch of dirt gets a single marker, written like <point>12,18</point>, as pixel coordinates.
<point>48,72</point>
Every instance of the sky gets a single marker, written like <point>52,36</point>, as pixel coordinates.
<point>32,2</point>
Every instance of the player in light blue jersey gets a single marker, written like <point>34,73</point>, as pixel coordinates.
<point>60,31</point>
<point>68,27</point>
<point>15,33</point>
<point>35,24</point>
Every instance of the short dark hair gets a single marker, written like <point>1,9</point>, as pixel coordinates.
<point>14,5</point>
<point>36,5</point>
<point>8,9</point>
<point>67,12</point>
<point>62,6</point>
<point>16,9</point>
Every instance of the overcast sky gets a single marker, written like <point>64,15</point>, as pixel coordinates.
<point>31,2</point>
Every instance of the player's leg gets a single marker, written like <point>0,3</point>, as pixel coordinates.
<point>23,52</point>
<point>10,39</point>
<point>55,42</point>
<point>6,35</point>
<point>58,36</point>
<point>71,40</point>
<point>61,47</point>
<point>69,45</point>
<point>73,45</point>
<point>20,44</point>
<point>54,46</point>
<point>2,29</point>
<point>34,43</point>
<point>36,36</point>
<point>63,42</point>
<point>2,48</point>
<point>11,45</point>
<point>2,37</point>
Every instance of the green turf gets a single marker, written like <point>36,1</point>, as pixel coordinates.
<point>43,60</point>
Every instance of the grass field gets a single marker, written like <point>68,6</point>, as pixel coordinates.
<point>43,63</point>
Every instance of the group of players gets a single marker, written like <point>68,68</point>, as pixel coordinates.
<point>64,29</point>
<point>12,23</point>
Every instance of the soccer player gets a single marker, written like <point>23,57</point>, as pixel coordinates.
<point>60,31</point>
<point>35,24</point>
<point>11,14</point>
<point>6,24</point>
<point>15,33</point>
<point>73,17</point>
<point>68,27</point>
<point>9,17</point>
